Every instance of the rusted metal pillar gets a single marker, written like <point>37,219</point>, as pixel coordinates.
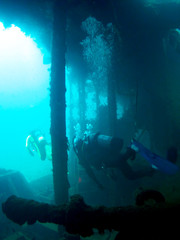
<point>58,104</point>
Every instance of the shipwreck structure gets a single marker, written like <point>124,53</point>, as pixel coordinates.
<point>143,221</point>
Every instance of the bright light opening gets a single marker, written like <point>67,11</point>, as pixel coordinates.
<point>23,77</point>
<point>24,101</point>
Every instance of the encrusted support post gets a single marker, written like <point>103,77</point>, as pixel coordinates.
<point>58,104</point>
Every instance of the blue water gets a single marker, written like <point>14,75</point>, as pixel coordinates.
<point>122,79</point>
<point>24,101</point>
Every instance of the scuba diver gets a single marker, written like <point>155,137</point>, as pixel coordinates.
<point>36,143</point>
<point>104,152</point>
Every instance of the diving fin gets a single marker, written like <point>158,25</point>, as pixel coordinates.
<point>155,160</point>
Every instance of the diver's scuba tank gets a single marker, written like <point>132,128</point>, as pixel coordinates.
<point>96,148</point>
<point>110,143</point>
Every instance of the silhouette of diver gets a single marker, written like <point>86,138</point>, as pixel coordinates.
<point>104,152</point>
<point>36,143</point>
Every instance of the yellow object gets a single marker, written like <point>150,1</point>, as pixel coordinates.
<point>48,151</point>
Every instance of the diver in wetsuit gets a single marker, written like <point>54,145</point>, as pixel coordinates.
<point>36,143</point>
<point>104,152</point>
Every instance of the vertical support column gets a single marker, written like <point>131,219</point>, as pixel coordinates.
<point>58,104</point>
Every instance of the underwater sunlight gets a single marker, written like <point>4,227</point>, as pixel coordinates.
<point>24,79</point>
<point>89,119</point>
<point>24,101</point>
